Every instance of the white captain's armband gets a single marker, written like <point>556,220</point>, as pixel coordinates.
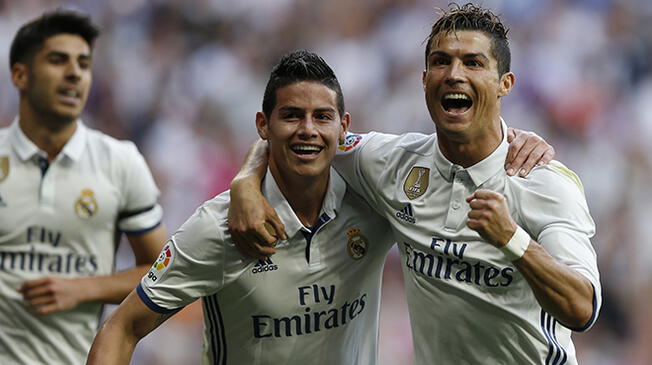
<point>517,245</point>
<point>350,142</point>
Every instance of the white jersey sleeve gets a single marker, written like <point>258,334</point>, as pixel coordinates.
<point>139,210</point>
<point>197,261</point>
<point>361,159</point>
<point>556,214</point>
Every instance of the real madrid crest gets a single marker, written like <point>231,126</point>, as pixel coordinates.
<point>86,205</point>
<point>4,167</point>
<point>357,245</point>
<point>417,182</point>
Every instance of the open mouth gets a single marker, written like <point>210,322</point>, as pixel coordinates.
<point>69,96</point>
<point>306,149</point>
<point>456,102</point>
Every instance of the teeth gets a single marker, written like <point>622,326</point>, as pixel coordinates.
<point>72,93</point>
<point>457,96</point>
<point>307,148</point>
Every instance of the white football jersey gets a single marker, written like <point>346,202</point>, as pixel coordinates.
<point>316,301</point>
<point>468,303</point>
<point>62,219</point>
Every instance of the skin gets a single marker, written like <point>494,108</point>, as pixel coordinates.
<point>305,114</point>
<point>461,62</point>
<point>53,87</point>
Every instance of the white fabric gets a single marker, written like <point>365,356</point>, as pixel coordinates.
<point>63,224</point>
<point>468,303</point>
<point>304,305</point>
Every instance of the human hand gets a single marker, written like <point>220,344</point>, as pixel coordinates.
<point>489,216</point>
<point>51,294</point>
<point>254,225</point>
<point>526,150</point>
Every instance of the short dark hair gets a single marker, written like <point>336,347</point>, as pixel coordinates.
<point>297,66</point>
<point>473,17</point>
<point>31,36</point>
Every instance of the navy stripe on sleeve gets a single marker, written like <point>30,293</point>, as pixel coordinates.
<point>151,305</point>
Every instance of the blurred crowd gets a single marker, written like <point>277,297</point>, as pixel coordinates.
<point>184,79</point>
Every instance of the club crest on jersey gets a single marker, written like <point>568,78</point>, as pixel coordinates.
<point>86,205</point>
<point>350,141</point>
<point>4,167</point>
<point>161,263</point>
<point>417,182</point>
<point>357,245</point>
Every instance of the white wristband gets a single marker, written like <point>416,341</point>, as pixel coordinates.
<point>517,245</point>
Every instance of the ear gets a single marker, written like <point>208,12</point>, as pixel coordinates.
<point>345,123</point>
<point>262,125</point>
<point>20,76</point>
<point>506,84</point>
<point>423,79</point>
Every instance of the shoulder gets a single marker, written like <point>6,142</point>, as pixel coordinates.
<point>382,145</point>
<point>209,221</point>
<point>554,179</point>
<point>105,143</point>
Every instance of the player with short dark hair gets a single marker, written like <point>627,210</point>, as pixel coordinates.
<point>67,192</point>
<point>317,300</point>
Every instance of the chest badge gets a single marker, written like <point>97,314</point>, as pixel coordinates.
<point>86,205</point>
<point>4,167</point>
<point>417,182</point>
<point>357,245</point>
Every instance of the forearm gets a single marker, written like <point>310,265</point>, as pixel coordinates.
<point>114,344</point>
<point>560,290</point>
<point>254,167</point>
<point>111,289</point>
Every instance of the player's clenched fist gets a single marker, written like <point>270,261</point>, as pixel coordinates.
<point>489,216</point>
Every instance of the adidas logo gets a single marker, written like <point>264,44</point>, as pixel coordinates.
<point>406,214</point>
<point>264,265</point>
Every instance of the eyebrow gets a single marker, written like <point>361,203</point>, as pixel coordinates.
<point>82,56</point>
<point>296,109</point>
<point>466,55</point>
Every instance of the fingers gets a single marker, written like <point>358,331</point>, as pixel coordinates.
<point>519,158</point>
<point>510,134</point>
<point>275,227</point>
<point>515,146</point>
<point>536,158</point>
<point>28,285</point>
<point>48,309</point>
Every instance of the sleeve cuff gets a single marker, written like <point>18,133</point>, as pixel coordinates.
<point>150,304</point>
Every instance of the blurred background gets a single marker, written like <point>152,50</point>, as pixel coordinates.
<point>184,79</point>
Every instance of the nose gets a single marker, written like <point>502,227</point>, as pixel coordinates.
<point>455,72</point>
<point>73,71</point>
<point>307,128</point>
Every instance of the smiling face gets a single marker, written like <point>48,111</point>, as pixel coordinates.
<point>303,131</point>
<point>54,85</point>
<point>463,87</point>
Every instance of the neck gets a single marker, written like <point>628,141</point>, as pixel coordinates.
<point>304,194</point>
<point>467,150</point>
<point>48,134</point>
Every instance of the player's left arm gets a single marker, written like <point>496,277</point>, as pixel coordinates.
<point>560,290</point>
<point>55,294</point>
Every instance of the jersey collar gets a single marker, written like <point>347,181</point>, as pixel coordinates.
<point>332,201</point>
<point>481,171</point>
<point>26,149</point>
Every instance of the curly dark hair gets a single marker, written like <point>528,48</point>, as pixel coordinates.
<point>472,17</point>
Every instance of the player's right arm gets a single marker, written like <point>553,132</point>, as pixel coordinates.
<point>115,342</point>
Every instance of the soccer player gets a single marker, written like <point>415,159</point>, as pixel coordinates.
<point>498,269</point>
<point>66,192</point>
<point>317,300</point>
